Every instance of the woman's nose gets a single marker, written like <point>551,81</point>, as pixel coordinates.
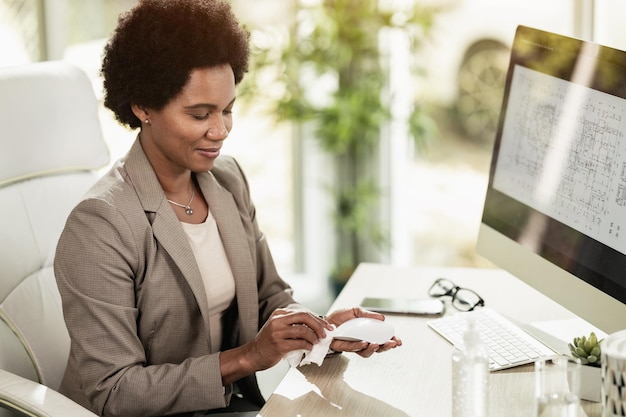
<point>217,129</point>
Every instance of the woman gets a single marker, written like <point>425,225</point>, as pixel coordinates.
<point>169,291</point>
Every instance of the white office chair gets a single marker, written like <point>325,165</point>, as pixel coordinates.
<point>51,145</point>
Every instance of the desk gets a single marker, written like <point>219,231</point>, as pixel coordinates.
<point>414,379</point>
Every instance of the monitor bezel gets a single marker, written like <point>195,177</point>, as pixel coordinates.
<point>577,283</point>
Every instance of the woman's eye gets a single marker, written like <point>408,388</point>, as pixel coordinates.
<point>204,116</point>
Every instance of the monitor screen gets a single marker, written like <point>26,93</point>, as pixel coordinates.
<point>555,208</point>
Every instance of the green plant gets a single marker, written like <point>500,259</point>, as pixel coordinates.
<point>587,349</point>
<point>332,74</point>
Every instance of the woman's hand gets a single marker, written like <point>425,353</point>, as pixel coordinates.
<point>361,348</point>
<point>285,331</point>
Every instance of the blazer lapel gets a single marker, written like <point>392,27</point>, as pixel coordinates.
<point>226,213</point>
<point>168,231</point>
<point>165,225</point>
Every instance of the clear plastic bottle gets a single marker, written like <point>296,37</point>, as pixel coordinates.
<point>470,375</point>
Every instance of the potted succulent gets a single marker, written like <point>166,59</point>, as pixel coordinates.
<point>588,350</point>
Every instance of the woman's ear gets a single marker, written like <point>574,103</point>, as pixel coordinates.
<point>141,112</point>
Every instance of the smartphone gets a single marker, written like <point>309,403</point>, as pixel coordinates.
<point>414,306</point>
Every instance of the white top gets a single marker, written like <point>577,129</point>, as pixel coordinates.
<point>217,276</point>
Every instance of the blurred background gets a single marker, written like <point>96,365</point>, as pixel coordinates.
<point>340,176</point>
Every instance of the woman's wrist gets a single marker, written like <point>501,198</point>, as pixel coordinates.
<point>235,364</point>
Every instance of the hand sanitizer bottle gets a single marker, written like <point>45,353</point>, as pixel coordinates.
<point>470,375</point>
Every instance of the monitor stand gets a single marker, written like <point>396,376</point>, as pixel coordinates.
<point>556,334</point>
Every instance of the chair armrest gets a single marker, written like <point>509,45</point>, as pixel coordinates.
<point>33,399</point>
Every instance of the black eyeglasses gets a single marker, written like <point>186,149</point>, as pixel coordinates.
<point>463,299</point>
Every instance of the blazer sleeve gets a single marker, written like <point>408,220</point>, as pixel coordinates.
<point>99,256</point>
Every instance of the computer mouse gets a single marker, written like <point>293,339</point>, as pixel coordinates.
<point>364,328</point>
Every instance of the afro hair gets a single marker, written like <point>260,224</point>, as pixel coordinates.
<point>157,44</point>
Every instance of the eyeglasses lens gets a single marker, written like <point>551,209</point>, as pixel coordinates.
<point>465,300</point>
<point>442,287</point>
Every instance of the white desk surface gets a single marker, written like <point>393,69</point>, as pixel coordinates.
<point>414,379</point>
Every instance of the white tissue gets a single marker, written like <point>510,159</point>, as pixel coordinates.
<point>316,355</point>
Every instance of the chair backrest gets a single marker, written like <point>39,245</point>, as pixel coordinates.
<point>51,146</point>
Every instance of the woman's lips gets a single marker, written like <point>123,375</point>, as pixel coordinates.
<point>210,152</point>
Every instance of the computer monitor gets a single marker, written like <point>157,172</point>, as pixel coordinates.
<point>555,207</point>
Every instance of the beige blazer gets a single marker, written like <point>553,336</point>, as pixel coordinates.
<point>133,298</point>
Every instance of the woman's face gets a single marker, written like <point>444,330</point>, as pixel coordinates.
<point>189,131</point>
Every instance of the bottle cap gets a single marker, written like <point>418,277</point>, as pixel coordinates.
<point>471,336</point>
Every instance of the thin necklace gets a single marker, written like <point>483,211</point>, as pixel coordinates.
<point>187,208</point>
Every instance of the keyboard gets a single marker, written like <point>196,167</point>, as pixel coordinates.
<point>507,343</point>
